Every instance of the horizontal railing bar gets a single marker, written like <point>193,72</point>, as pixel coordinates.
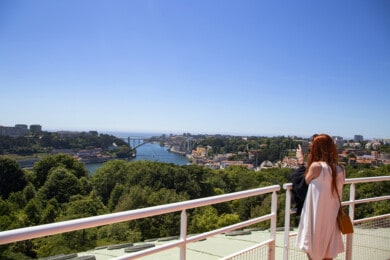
<point>15,235</point>
<point>360,201</point>
<point>294,233</point>
<point>288,186</point>
<point>358,221</point>
<point>367,179</point>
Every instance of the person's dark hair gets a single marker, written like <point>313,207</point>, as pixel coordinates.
<point>311,141</point>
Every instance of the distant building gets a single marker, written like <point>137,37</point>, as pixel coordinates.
<point>266,165</point>
<point>225,164</point>
<point>339,141</point>
<point>13,131</point>
<point>358,138</point>
<point>19,130</point>
<point>200,151</point>
<point>95,133</point>
<point>23,126</point>
<point>35,128</point>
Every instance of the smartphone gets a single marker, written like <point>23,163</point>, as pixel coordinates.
<point>305,147</point>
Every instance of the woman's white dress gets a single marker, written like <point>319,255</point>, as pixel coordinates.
<point>318,233</point>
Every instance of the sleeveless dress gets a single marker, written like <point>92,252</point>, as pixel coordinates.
<point>318,233</point>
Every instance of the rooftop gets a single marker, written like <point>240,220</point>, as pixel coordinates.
<point>367,242</point>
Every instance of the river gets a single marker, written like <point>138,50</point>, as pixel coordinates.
<point>149,152</point>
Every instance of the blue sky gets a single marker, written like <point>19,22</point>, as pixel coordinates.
<point>217,67</point>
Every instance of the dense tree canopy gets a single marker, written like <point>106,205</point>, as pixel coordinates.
<point>12,178</point>
<point>60,185</point>
<point>43,167</point>
<point>44,142</point>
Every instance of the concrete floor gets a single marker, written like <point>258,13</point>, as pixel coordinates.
<point>372,244</point>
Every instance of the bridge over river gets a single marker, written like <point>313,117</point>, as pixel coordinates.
<point>135,141</point>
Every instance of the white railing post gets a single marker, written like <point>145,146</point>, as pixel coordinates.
<point>352,191</point>
<point>183,235</point>
<point>274,207</point>
<point>287,213</point>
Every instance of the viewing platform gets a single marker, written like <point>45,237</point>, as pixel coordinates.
<point>370,240</point>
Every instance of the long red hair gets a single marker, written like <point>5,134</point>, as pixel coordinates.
<point>323,149</point>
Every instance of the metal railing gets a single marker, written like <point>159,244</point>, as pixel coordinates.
<point>288,236</point>
<point>21,234</point>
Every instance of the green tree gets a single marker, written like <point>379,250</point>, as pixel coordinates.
<point>227,219</point>
<point>44,166</point>
<point>52,245</point>
<point>61,185</point>
<point>29,192</point>
<point>5,214</point>
<point>12,177</point>
<point>261,209</point>
<point>124,151</point>
<point>33,211</point>
<point>133,198</point>
<point>241,178</point>
<point>81,207</point>
<point>86,185</point>
<point>107,176</point>
<point>18,200</point>
<point>20,250</point>
<point>204,219</point>
<point>119,232</point>
<point>49,214</point>
<point>19,220</point>
<point>116,193</point>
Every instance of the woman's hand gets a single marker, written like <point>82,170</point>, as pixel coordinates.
<point>299,155</point>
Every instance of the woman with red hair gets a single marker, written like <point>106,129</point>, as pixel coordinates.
<point>318,233</point>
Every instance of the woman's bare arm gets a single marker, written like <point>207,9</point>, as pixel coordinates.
<point>313,172</point>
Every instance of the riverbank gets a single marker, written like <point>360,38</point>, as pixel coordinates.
<point>172,150</point>
<point>150,152</point>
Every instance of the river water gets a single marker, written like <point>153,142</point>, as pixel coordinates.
<point>149,152</point>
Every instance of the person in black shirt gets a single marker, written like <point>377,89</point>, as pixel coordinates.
<point>299,186</point>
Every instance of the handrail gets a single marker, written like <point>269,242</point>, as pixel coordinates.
<point>21,234</point>
<point>351,180</point>
<point>367,179</point>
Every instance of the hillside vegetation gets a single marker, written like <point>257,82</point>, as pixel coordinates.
<point>59,188</point>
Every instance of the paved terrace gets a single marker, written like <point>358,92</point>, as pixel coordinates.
<point>373,244</point>
<point>212,248</point>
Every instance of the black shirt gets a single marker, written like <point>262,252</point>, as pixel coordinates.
<point>299,188</point>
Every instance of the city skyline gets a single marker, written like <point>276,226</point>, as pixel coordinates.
<point>221,67</point>
<point>15,131</point>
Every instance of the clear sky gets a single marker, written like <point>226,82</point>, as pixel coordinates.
<point>201,66</point>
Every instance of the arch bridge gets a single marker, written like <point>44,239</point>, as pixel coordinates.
<point>135,141</point>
